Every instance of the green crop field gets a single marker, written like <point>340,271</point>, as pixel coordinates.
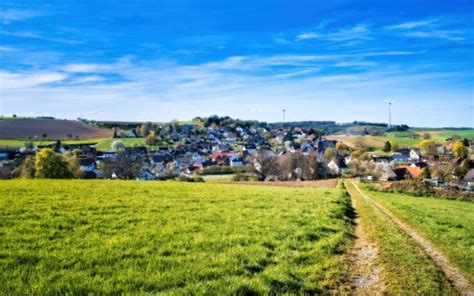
<point>112,237</point>
<point>447,223</point>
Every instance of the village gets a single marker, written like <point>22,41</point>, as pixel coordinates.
<point>252,151</point>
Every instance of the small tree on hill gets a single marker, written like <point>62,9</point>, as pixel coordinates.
<point>459,150</point>
<point>387,147</point>
<point>51,165</point>
<point>151,139</point>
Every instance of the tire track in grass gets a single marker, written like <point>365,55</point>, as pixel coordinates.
<point>452,273</point>
<point>364,268</point>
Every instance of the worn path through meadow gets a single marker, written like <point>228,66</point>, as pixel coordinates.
<point>452,273</point>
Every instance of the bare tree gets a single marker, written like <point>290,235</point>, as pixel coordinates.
<point>265,165</point>
<point>125,165</point>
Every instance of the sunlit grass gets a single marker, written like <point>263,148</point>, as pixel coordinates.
<point>83,237</point>
<point>447,223</point>
<point>406,269</point>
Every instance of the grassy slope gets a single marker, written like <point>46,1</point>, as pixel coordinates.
<point>447,223</point>
<point>406,268</point>
<point>403,139</point>
<point>106,144</point>
<point>117,237</point>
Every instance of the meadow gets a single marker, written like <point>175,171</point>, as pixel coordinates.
<point>111,237</point>
<point>449,224</point>
<point>407,139</point>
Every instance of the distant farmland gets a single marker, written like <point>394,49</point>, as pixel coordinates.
<point>53,129</point>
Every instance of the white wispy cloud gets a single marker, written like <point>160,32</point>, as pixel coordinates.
<point>11,15</point>
<point>34,35</point>
<point>18,81</point>
<point>87,79</point>
<point>358,32</point>
<point>305,36</point>
<point>432,28</point>
<point>412,25</point>
<point>451,35</point>
<point>6,48</point>
<point>356,64</point>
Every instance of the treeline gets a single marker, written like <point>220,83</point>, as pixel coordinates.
<point>226,121</point>
<point>48,164</point>
<point>290,166</point>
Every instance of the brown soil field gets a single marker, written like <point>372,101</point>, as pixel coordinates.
<point>55,129</point>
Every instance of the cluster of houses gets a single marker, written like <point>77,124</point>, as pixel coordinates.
<point>190,149</point>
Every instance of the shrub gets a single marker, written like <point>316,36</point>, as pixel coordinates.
<point>223,170</point>
<point>184,178</point>
<point>244,178</point>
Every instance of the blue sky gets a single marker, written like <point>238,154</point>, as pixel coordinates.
<point>164,60</point>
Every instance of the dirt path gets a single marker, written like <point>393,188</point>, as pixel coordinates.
<point>365,274</point>
<point>452,273</point>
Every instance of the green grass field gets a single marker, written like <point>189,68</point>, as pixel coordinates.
<point>404,139</point>
<point>106,144</point>
<point>406,268</point>
<point>111,237</point>
<point>447,223</point>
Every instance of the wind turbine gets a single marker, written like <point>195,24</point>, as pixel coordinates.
<point>390,102</point>
<point>283,115</point>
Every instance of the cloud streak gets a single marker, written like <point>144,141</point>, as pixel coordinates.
<point>14,15</point>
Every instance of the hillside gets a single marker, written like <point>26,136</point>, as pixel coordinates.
<point>54,129</point>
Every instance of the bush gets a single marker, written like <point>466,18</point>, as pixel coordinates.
<point>244,178</point>
<point>223,170</point>
<point>184,178</point>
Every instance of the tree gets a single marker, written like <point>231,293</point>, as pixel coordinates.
<point>429,148</point>
<point>265,165</point>
<point>44,136</point>
<point>466,165</point>
<point>118,145</point>
<point>425,173</point>
<point>288,137</point>
<point>443,171</point>
<point>426,136</point>
<point>459,150</point>
<point>28,167</point>
<point>387,147</point>
<point>125,165</point>
<point>144,129</point>
<point>29,145</point>
<point>329,154</point>
<point>151,139</point>
<point>51,165</point>
<point>73,163</point>
<point>342,148</point>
